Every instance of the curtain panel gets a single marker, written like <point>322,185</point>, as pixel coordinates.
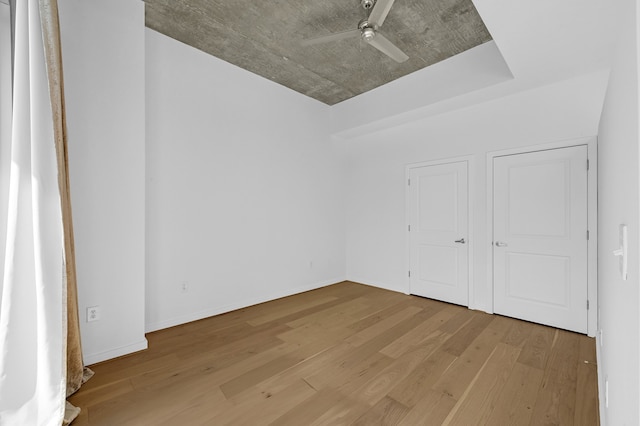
<point>53,56</point>
<point>40,353</point>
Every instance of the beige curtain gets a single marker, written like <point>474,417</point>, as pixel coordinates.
<point>53,58</point>
<point>40,353</point>
<point>77,374</point>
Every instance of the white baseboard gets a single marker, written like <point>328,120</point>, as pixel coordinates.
<point>90,359</point>
<point>243,303</point>
<point>603,419</point>
<point>379,284</point>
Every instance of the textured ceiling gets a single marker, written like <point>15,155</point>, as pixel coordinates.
<point>263,36</point>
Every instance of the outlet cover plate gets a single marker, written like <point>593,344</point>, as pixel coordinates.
<point>93,313</point>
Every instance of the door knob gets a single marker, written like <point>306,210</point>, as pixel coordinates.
<point>460,241</point>
<point>501,244</point>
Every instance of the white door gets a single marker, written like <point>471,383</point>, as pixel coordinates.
<point>438,216</point>
<point>540,237</point>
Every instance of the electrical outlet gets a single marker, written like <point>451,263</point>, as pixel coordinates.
<point>93,313</point>
<point>184,287</point>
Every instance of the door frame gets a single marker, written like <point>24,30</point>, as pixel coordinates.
<point>592,216</point>
<point>469,159</point>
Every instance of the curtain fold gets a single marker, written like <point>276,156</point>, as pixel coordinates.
<point>76,374</point>
<point>39,328</point>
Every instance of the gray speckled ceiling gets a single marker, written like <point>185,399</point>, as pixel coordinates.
<point>263,36</point>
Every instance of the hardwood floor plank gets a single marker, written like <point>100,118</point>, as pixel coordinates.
<point>518,333</point>
<point>347,291</point>
<point>418,384</point>
<point>351,374</point>
<point>214,360</point>
<point>463,370</point>
<point>225,350</point>
<point>385,412</point>
<point>536,350</point>
<point>356,356</point>
<point>243,382</point>
<point>256,375</point>
<point>586,409</point>
<point>421,334</point>
<point>431,409</point>
<point>338,314</point>
<point>217,375</point>
<point>310,410</point>
<point>556,399</point>
<point>264,408</point>
<point>502,325</point>
<point>152,405</point>
<point>478,402</point>
<point>345,413</point>
<point>123,368</point>
<point>460,318</point>
<point>378,311</point>
<point>195,410</point>
<point>322,361</point>
<point>294,308</point>
<point>96,395</point>
<point>515,403</point>
<point>307,333</point>
<point>382,383</point>
<point>380,327</point>
<point>349,354</point>
<point>457,344</point>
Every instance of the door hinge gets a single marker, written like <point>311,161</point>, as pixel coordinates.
<point>587,305</point>
<point>409,182</point>
<point>587,164</point>
<point>409,274</point>
<point>587,234</point>
<point>409,228</point>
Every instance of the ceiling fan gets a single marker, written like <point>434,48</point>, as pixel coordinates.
<point>368,30</point>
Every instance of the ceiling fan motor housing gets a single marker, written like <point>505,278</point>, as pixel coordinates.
<point>368,34</point>
<point>367,4</point>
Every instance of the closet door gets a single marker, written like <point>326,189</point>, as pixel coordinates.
<point>438,217</point>
<point>540,237</point>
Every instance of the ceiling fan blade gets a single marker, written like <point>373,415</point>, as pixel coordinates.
<point>380,12</point>
<point>383,44</point>
<point>331,37</point>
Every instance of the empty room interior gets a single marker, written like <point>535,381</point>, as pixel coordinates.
<point>330,212</point>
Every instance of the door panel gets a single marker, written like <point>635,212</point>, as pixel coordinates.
<point>549,273</point>
<point>438,217</point>
<point>540,237</point>
<point>528,184</point>
<point>438,264</point>
<point>438,200</point>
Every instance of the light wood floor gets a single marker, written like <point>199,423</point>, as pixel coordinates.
<point>349,354</point>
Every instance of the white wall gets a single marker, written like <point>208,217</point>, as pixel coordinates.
<point>244,188</point>
<point>619,191</point>
<point>376,226</point>
<point>5,123</point>
<point>103,52</point>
